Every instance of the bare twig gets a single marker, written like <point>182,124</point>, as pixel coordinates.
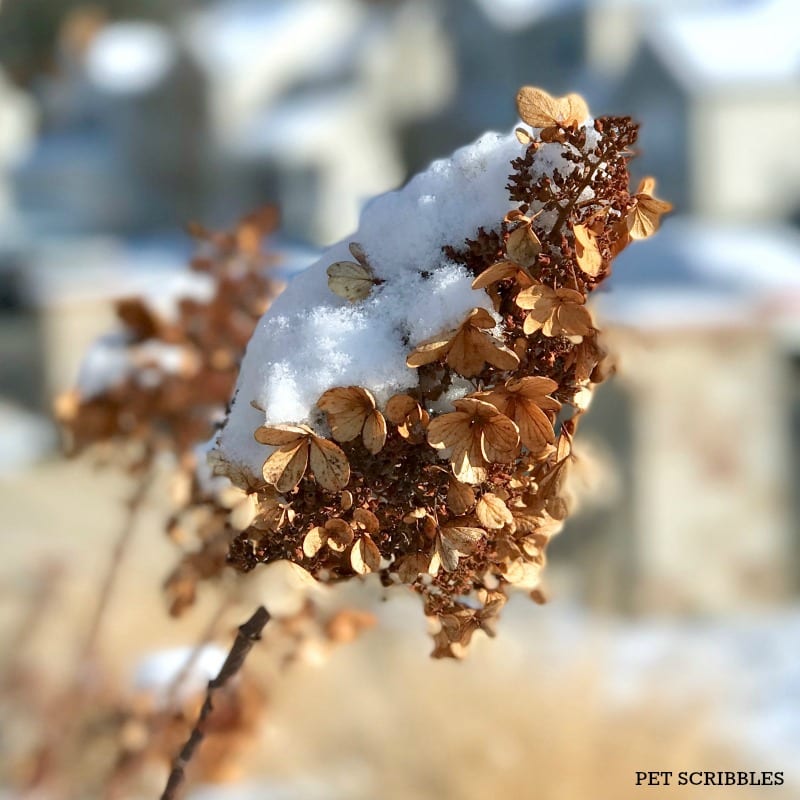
<point>249,633</point>
<point>121,547</point>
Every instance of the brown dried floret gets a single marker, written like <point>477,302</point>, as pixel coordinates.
<point>352,412</point>
<point>475,434</point>
<point>297,447</point>
<point>556,312</point>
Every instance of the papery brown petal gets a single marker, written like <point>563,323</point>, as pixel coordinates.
<point>499,355</point>
<point>286,466</point>
<point>460,497</point>
<point>427,352</point>
<point>280,435</point>
<point>492,512</point>
<point>538,108</point>
<point>366,519</point>
<point>587,251</point>
<point>357,251</point>
<point>480,318</point>
<point>340,535</point>
<point>468,463</point>
<point>342,399</point>
<point>457,541</point>
<point>523,137</point>
<point>500,440</point>
<point>500,271</point>
<point>535,429</point>
<point>575,320</point>
<point>350,280</point>
<point>449,430</point>
<point>411,567</point>
<point>466,352</point>
<point>329,464</point>
<point>538,296</point>
<point>400,407</point>
<point>577,110</point>
<point>523,246</point>
<point>314,541</point>
<point>365,556</point>
<point>374,436</point>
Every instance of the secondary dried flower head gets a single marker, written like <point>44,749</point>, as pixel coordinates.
<point>454,485</point>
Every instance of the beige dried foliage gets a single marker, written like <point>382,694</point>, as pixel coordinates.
<point>468,349</point>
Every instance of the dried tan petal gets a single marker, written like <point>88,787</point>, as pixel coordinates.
<point>500,440</point>
<point>411,567</point>
<point>537,296</point>
<point>339,534</point>
<point>492,512</point>
<point>644,218</point>
<point>357,251</point>
<point>286,466</point>
<point>314,541</point>
<point>347,409</point>
<point>573,320</point>
<point>346,500</point>
<point>280,435</point>
<point>400,407</point>
<point>374,434</point>
<point>501,271</point>
<point>523,137</point>
<point>460,497</point>
<point>329,464</point>
<point>587,251</point>
<point>450,430</point>
<point>428,352</point>
<point>455,541</point>
<point>523,246</point>
<point>365,556</point>
<point>365,519</point>
<point>350,280</point>
<point>540,110</point>
<point>468,463</point>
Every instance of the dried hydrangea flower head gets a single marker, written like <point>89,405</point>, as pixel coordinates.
<point>411,412</point>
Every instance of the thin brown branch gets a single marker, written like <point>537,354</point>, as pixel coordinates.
<point>121,547</point>
<point>249,633</point>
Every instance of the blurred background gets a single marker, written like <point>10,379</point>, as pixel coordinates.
<point>674,617</point>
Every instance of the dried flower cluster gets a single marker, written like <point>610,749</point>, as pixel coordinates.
<point>157,409</point>
<point>376,496</point>
<point>159,406</point>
